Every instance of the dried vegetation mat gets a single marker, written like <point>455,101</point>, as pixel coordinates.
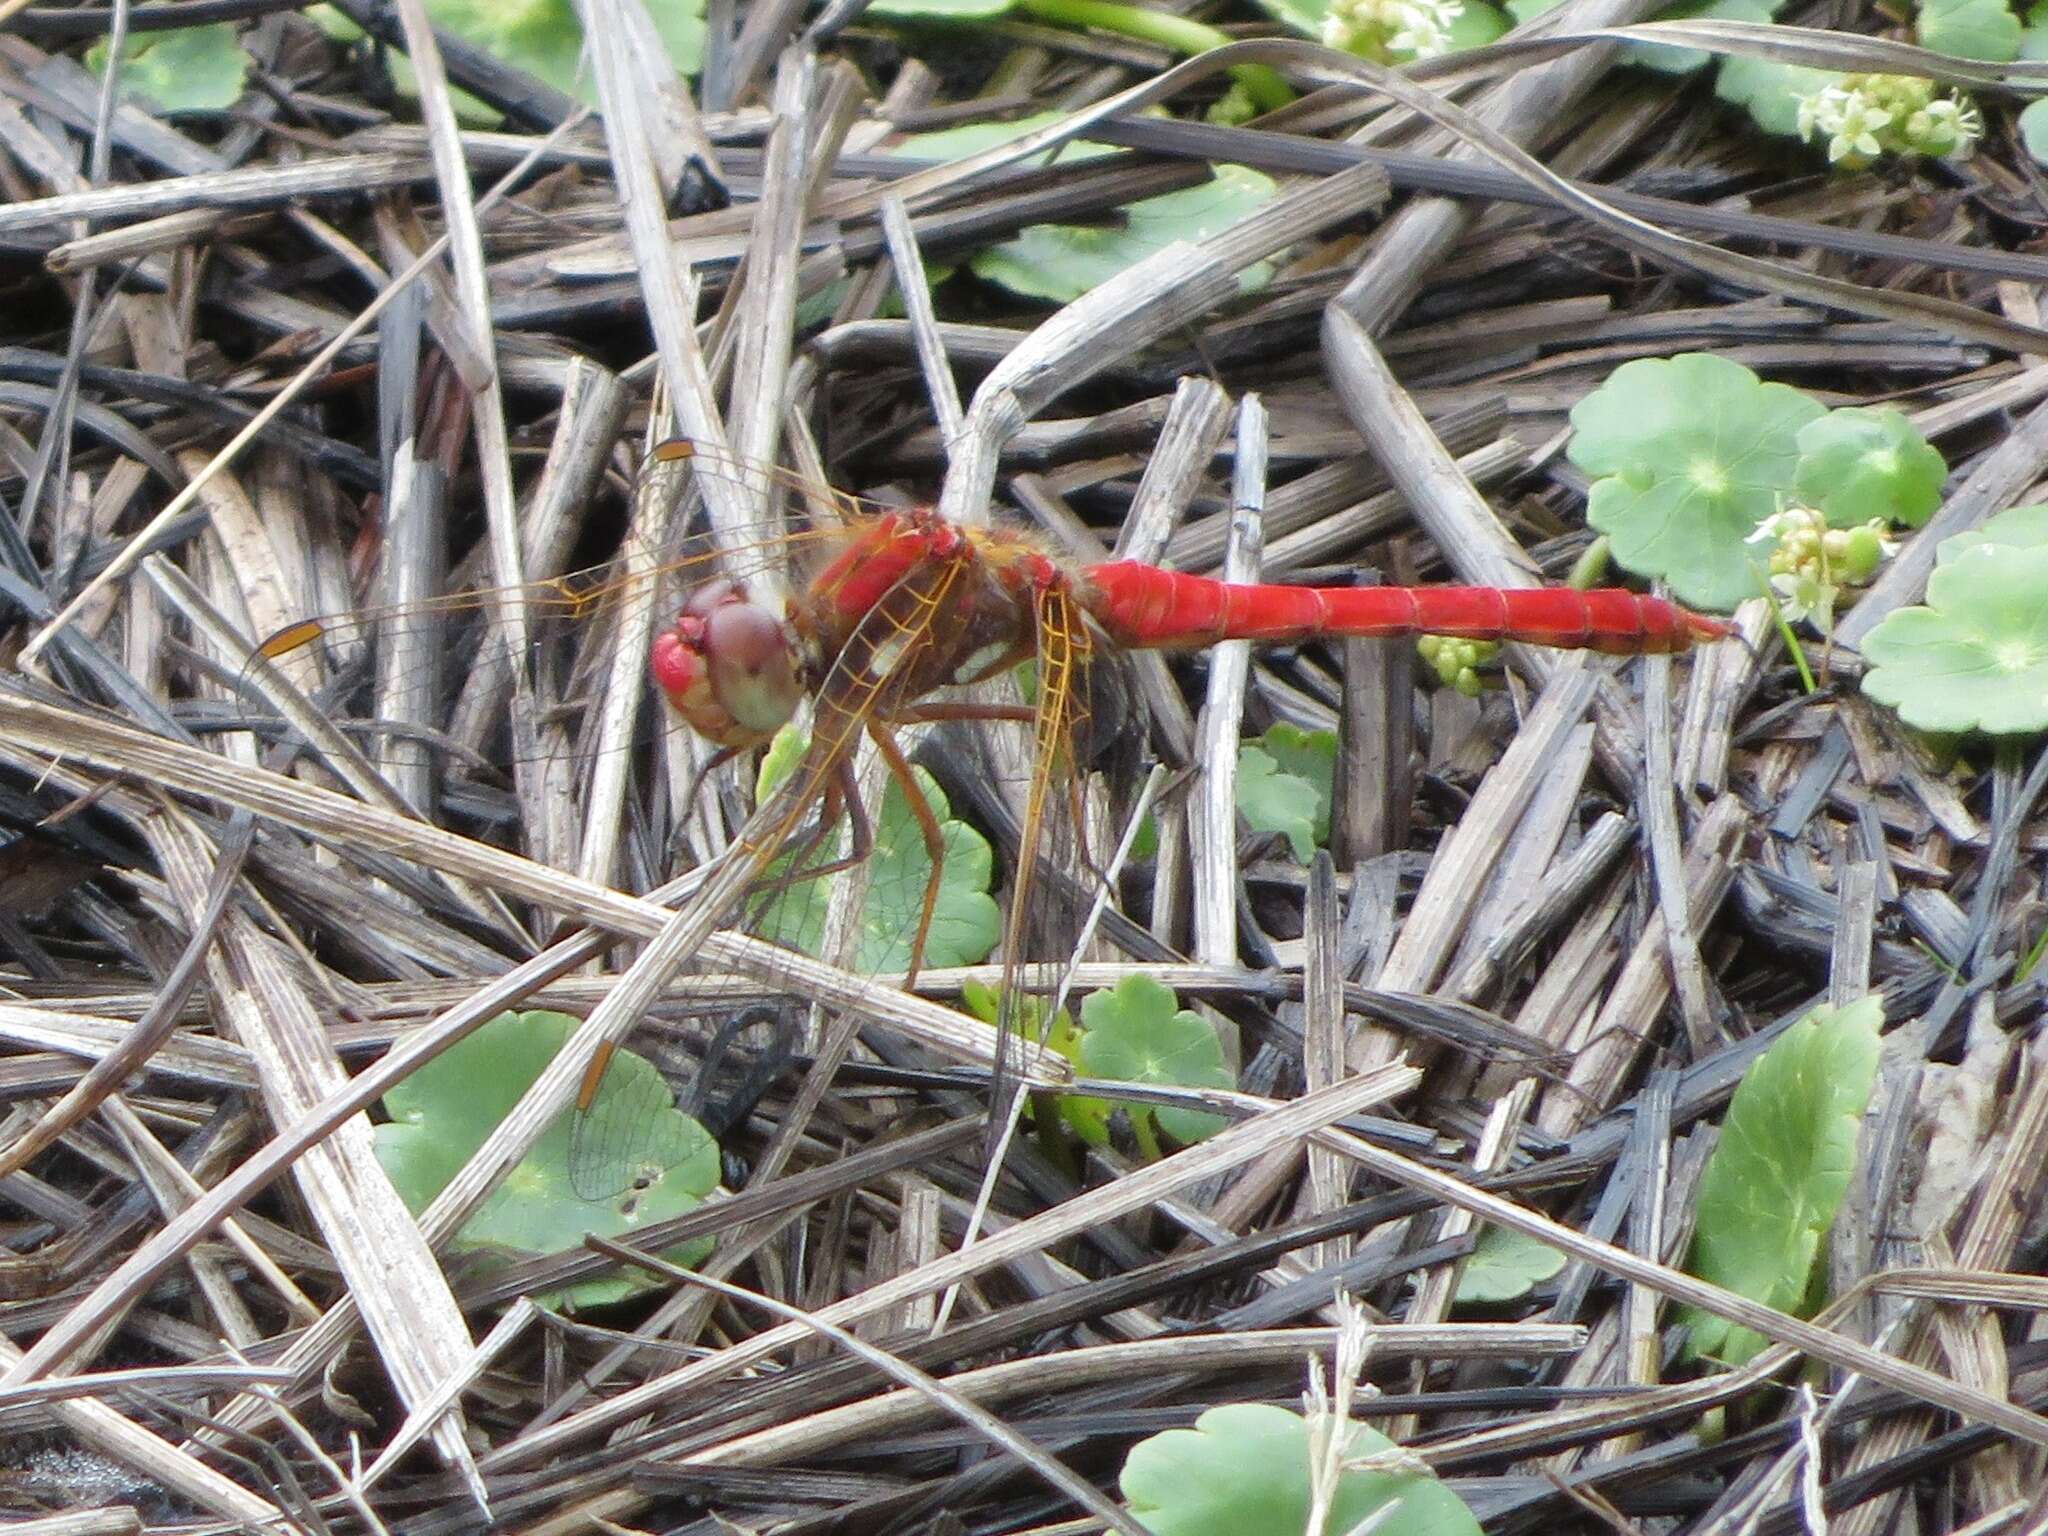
<point>1615,1081</point>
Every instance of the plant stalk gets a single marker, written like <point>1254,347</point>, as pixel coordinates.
<point>1184,36</point>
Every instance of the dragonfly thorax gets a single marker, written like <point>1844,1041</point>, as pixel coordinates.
<point>729,667</point>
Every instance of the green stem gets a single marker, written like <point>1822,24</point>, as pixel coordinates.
<point>1141,1132</point>
<point>1590,569</point>
<point>1798,653</point>
<point>1265,87</point>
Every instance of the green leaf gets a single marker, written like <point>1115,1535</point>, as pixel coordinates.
<point>2015,528</point>
<point>2034,129</point>
<point>1857,464</point>
<point>966,926</point>
<point>1770,1192</point>
<point>1505,1265</point>
<point>1060,262</point>
<point>1284,784</point>
<point>444,1111</point>
<point>1692,453</point>
<point>1243,1471</point>
<point>958,143</point>
<point>1970,29</point>
<point>1139,1033</point>
<point>1666,59</point>
<point>1302,16</point>
<point>1087,1115</point>
<point>1975,658</point>
<point>1476,26</point>
<point>186,69</point>
<point>1770,91</point>
<point>1272,801</point>
<point>545,38</point>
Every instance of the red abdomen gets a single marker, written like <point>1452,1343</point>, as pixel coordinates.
<point>1146,607</point>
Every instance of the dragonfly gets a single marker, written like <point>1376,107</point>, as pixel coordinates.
<point>906,615</point>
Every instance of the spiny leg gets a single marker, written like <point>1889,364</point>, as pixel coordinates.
<point>841,798</point>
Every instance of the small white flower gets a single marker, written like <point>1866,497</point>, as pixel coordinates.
<point>1803,595</point>
<point>1380,29</point>
<point>1864,116</point>
<point>1778,525</point>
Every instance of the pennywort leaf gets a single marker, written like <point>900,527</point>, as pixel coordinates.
<point>1060,262</point>
<point>1243,1470</point>
<point>1692,453</point>
<point>443,1112</point>
<point>1771,1189</point>
<point>1505,1265</point>
<point>184,69</point>
<point>1975,656</point>
<point>966,926</point>
<point>1272,801</point>
<point>1970,29</point>
<point>1138,1033</point>
<point>1858,464</point>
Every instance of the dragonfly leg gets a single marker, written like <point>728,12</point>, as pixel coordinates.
<point>841,799</point>
<point>936,714</point>
<point>934,840</point>
<point>715,761</point>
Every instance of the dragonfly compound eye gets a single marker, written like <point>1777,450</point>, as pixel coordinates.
<point>753,666</point>
<point>728,667</point>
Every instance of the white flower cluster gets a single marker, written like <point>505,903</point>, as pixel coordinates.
<point>1864,116</point>
<point>1811,562</point>
<point>1391,31</point>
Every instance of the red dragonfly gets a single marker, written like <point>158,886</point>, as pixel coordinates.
<point>908,605</point>
<point>905,607</point>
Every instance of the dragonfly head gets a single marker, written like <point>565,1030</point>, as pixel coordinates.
<point>729,667</point>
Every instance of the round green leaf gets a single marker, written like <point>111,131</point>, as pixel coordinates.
<point>1770,91</point>
<point>957,143</point>
<point>1139,1033</point>
<point>1303,16</point>
<point>1692,453</point>
<point>1770,1191</point>
<point>1669,60</point>
<point>443,1112</point>
<point>1310,756</point>
<point>2016,528</point>
<point>1970,29</point>
<point>1476,25</point>
<point>1087,1116</point>
<point>1243,1471</point>
<point>1505,1265</point>
<point>185,69</point>
<point>1272,801</point>
<point>1858,464</point>
<point>966,925</point>
<point>2034,129</point>
<point>1976,657</point>
<point>545,38</point>
<point>1060,262</point>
